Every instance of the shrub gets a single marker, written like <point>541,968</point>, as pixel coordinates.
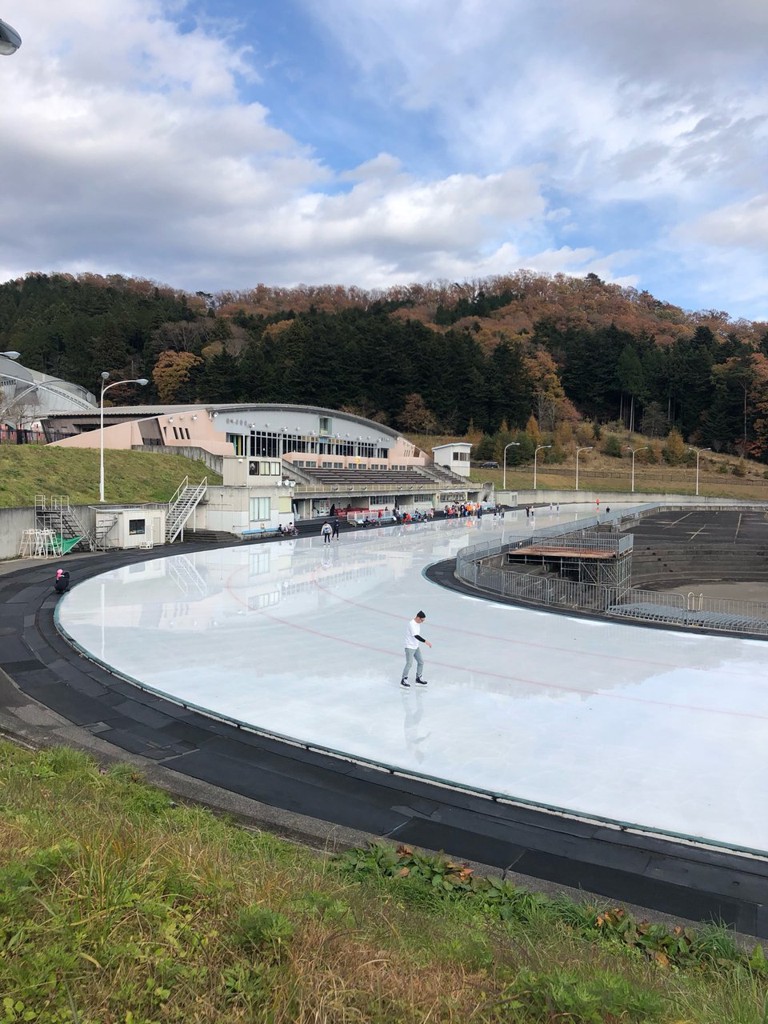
<point>262,929</point>
<point>562,995</point>
<point>612,446</point>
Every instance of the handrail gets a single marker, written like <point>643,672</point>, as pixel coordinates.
<point>188,503</point>
<point>182,487</point>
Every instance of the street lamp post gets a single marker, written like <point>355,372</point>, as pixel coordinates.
<point>698,453</point>
<point>512,444</point>
<point>535,458</point>
<point>104,388</point>
<point>578,450</point>
<point>634,452</point>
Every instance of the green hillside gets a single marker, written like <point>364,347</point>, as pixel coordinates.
<point>130,477</point>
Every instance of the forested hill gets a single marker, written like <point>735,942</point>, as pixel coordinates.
<point>422,358</point>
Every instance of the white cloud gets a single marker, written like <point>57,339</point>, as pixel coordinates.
<point>131,145</point>
<point>743,225</point>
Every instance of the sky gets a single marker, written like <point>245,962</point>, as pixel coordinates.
<point>213,145</point>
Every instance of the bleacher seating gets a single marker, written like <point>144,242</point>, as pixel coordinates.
<point>371,478</point>
<point>442,475</point>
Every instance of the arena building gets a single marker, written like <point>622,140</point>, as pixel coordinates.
<point>280,462</point>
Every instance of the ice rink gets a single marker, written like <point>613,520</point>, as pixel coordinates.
<point>663,730</point>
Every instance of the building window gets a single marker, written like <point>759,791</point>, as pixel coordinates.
<point>236,440</point>
<point>326,425</point>
<point>260,509</point>
<point>137,527</point>
<point>257,468</point>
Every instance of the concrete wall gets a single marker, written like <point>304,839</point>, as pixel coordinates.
<point>610,497</point>
<point>227,509</point>
<point>212,461</point>
<point>13,523</point>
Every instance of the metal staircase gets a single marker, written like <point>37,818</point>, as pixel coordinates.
<point>58,516</point>
<point>104,525</point>
<point>182,505</point>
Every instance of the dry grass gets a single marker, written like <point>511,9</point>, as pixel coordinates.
<point>130,910</point>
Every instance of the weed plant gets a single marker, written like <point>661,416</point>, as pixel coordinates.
<point>119,907</point>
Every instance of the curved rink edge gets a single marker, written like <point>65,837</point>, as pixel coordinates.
<point>698,883</point>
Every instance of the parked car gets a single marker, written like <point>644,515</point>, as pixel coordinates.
<point>489,465</point>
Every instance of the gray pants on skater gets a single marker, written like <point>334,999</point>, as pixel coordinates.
<point>413,638</point>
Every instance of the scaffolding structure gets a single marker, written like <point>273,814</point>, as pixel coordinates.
<point>589,557</point>
<point>57,515</point>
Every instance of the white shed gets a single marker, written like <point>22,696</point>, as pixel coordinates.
<point>453,456</point>
<point>142,526</point>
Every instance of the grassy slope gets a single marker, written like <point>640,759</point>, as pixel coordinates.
<point>27,470</point>
<point>118,907</point>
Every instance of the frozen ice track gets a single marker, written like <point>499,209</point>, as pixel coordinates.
<point>660,730</point>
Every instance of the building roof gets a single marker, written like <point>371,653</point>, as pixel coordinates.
<point>146,411</point>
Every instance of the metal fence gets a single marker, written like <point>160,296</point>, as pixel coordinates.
<point>686,611</point>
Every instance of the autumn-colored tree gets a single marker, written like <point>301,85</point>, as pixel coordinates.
<point>173,375</point>
<point>416,417</point>
<point>472,433</point>
<point>532,429</point>
<point>552,404</point>
<point>585,434</point>
<point>758,446</point>
<point>674,449</point>
<point>563,438</point>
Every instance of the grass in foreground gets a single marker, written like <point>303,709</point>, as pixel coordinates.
<point>130,477</point>
<point>118,907</point>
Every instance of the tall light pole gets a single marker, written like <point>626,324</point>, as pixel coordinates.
<point>512,444</point>
<point>634,452</point>
<point>698,453</point>
<point>104,388</point>
<point>578,450</point>
<point>535,457</point>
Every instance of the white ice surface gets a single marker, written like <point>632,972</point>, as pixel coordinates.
<point>660,729</point>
